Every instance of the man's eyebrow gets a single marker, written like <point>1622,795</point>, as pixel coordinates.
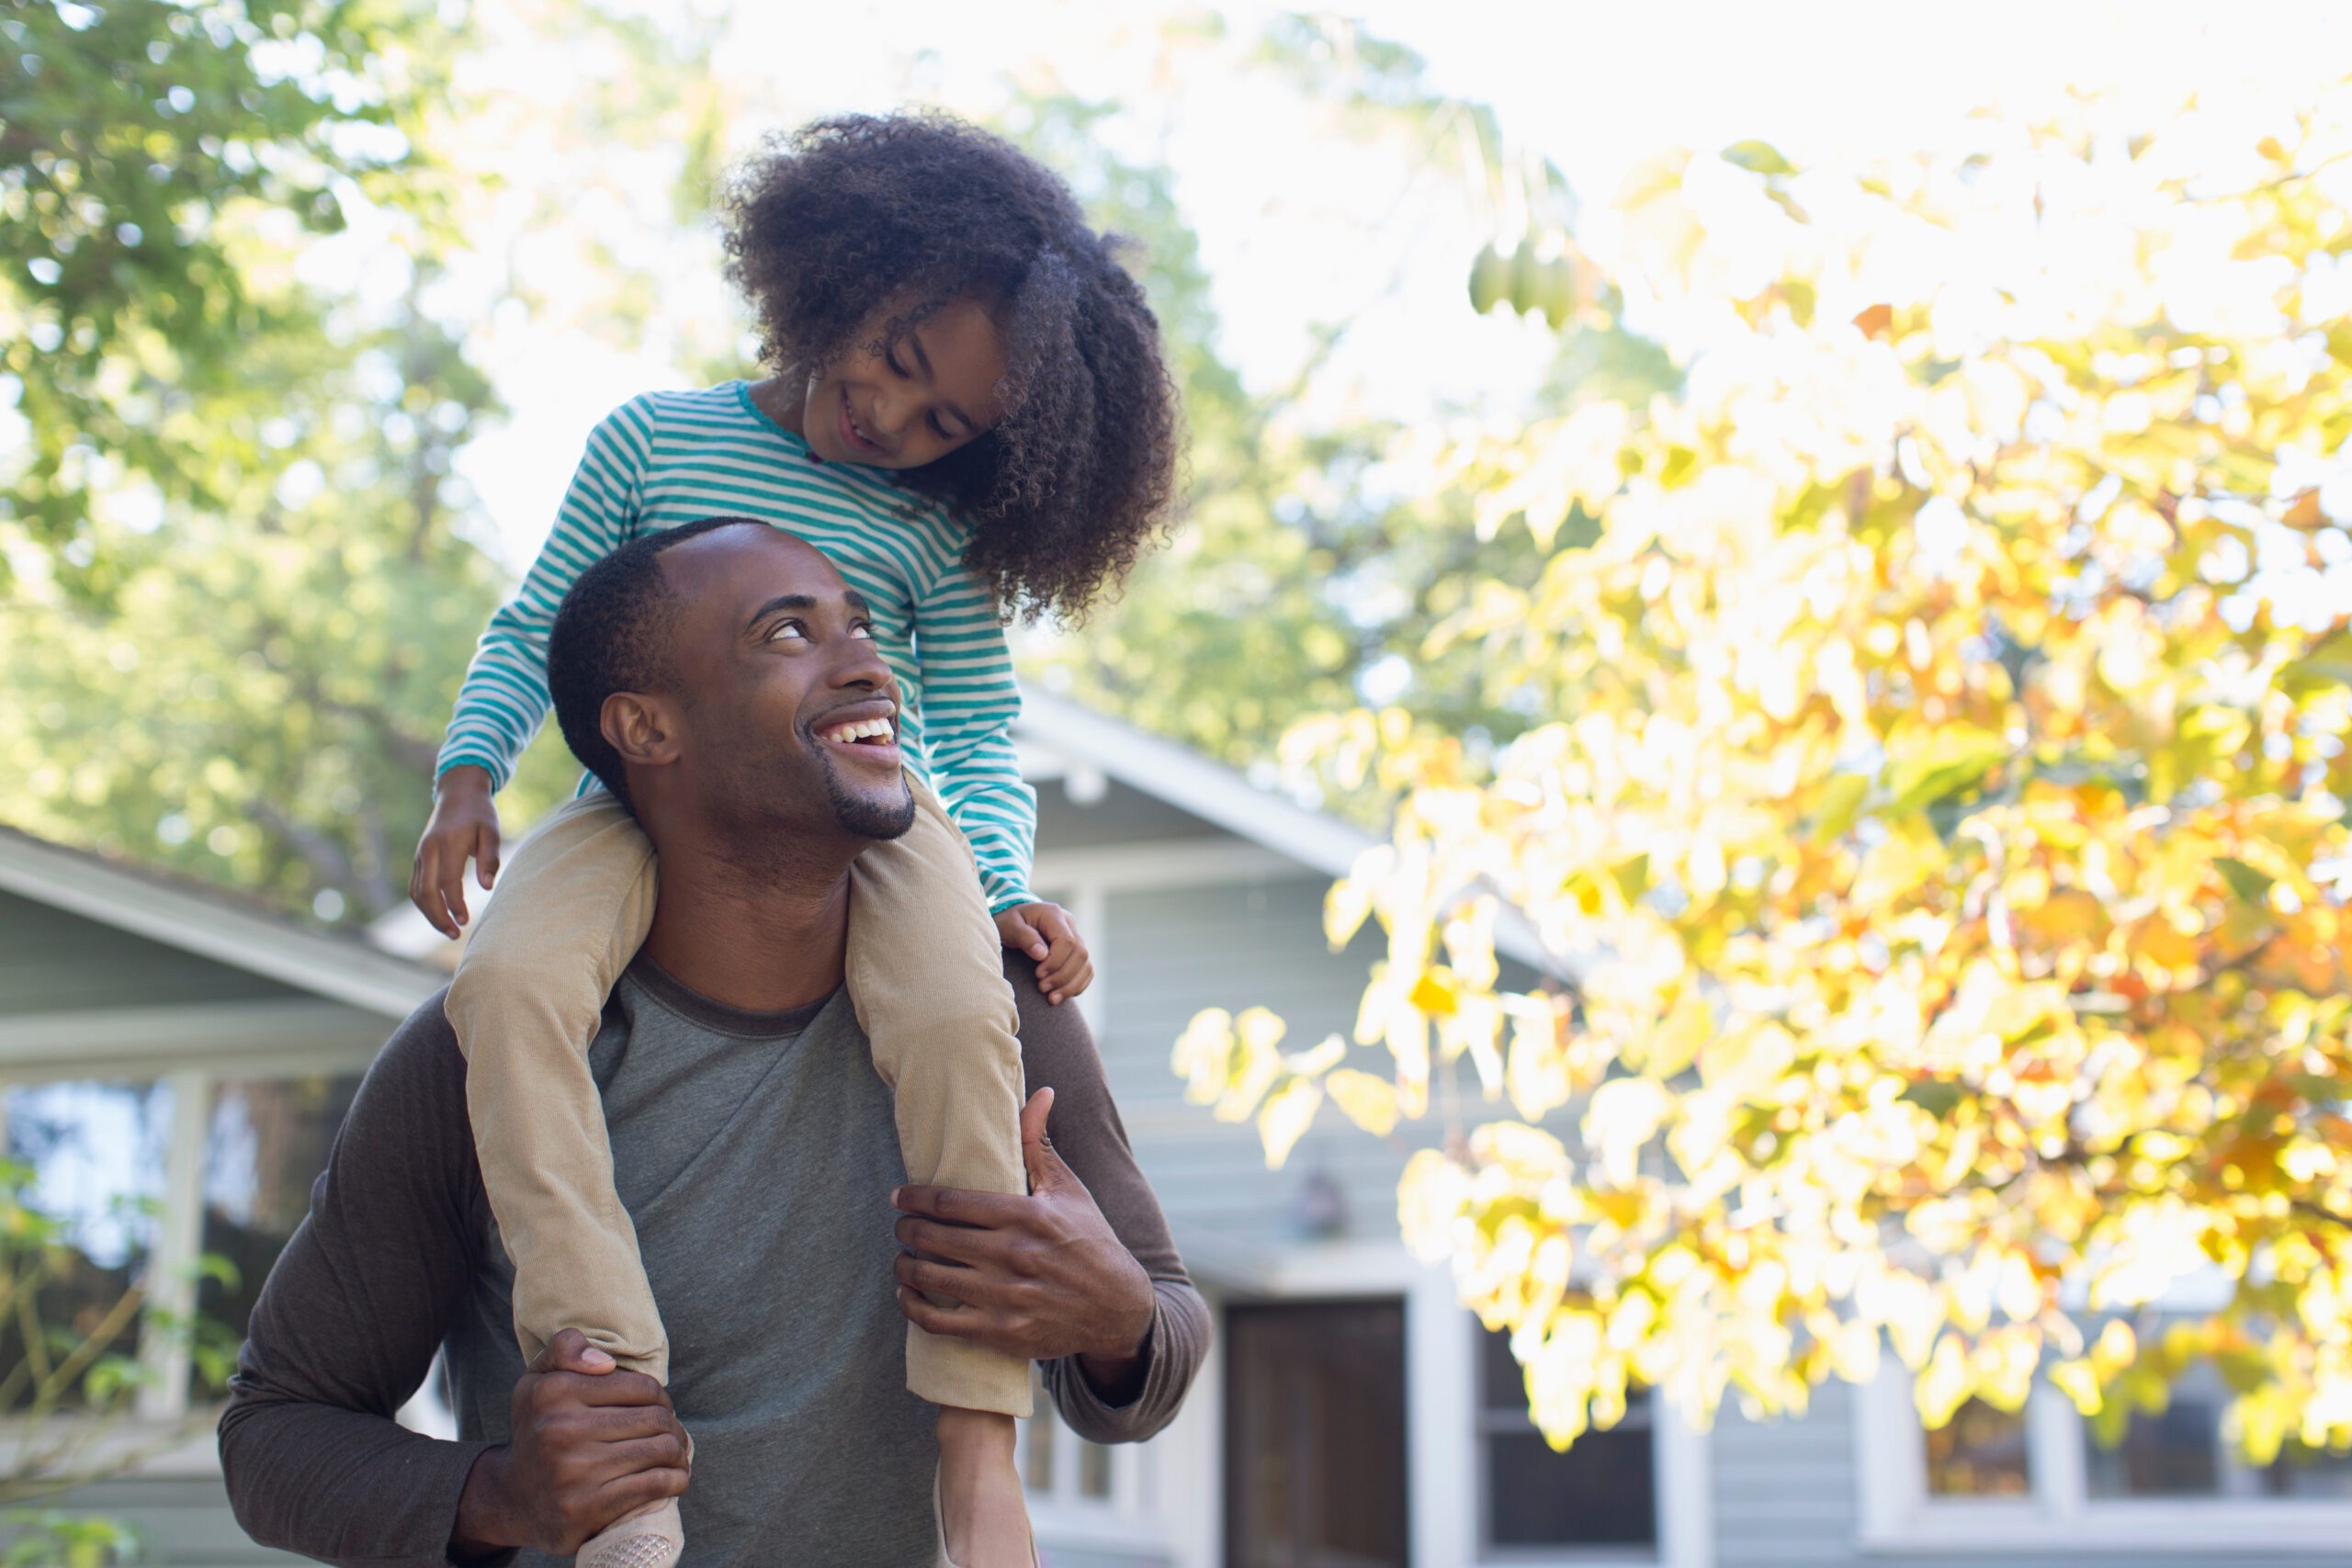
<point>914,337</point>
<point>782,601</point>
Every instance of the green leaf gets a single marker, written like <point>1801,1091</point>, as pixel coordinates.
<point>1957,757</point>
<point>1758,158</point>
<point>2245,881</point>
<point>1841,802</point>
<point>1935,1096</point>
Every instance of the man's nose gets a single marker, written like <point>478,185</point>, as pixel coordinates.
<point>860,663</point>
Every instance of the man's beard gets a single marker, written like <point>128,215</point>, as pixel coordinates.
<point>868,819</point>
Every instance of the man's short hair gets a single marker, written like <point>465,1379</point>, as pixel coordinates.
<point>612,634</point>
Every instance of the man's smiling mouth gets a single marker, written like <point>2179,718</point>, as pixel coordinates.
<point>861,732</point>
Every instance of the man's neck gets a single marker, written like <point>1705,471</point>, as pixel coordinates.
<point>759,934</point>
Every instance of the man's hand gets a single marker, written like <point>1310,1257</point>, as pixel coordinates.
<point>589,1443</point>
<point>1044,931</point>
<point>464,825</point>
<point>1039,1277</point>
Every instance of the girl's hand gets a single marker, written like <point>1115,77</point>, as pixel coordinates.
<point>1045,933</point>
<point>464,825</point>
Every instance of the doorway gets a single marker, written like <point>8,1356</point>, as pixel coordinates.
<point>1315,1435</point>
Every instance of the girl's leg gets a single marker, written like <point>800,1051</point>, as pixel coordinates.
<point>926,976</point>
<point>572,909</point>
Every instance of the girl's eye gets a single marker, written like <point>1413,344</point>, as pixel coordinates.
<point>939,429</point>
<point>890,358</point>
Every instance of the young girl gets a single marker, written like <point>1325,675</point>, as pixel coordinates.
<point>971,417</point>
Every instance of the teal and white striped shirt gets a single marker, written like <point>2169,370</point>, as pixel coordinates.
<point>672,457</point>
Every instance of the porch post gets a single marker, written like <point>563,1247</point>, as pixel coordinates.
<point>179,1236</point>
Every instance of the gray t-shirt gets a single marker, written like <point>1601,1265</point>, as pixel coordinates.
<point>756,1153</point>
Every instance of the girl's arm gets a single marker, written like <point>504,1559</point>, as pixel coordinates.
<point>969,700</point>
<point>505,698</point>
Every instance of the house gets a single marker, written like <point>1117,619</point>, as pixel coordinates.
<point>1352,1415</point>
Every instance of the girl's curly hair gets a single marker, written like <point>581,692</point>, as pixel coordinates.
<point>826,224</point>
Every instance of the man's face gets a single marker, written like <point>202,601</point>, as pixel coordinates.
<point>790,718</point>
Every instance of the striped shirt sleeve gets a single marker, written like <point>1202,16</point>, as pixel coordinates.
<point>969,700</point>
<point>505,698</point>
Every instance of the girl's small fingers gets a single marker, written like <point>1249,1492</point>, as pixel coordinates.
<point>486,857</point>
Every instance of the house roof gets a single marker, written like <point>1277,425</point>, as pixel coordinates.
<point>1076,737</point>
<point>1185,779</point>
<point>213,923</point>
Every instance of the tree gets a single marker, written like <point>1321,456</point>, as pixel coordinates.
<point>1296,568</point>
<point>1940,820</point>
<point>244,579</point>
<point>150,154</point>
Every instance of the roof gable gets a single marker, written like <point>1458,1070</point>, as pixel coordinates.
<point>212,924</point>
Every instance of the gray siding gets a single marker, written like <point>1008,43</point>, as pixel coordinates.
<point>1171,954</point>
<point>51,961</point>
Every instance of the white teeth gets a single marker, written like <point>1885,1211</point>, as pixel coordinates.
<point>863,730</point>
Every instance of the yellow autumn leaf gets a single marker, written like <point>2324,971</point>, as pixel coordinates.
<point>1288,1113</point>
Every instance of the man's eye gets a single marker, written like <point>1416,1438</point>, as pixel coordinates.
<point>861,629</point>
<point>789,629</point>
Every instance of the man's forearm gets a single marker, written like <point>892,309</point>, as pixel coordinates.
<point>343,1486</point>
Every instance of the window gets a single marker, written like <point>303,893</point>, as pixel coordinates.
<point>2040,1480</point>
<point>1981,1452</point>
<point>1602,1493</point>
<point>1315,1435</point>
<point>1056,1462</point>
<point>2181,1452</point>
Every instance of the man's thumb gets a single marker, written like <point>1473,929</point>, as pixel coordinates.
<point>571,1351</point>
<point>1036,1150</point>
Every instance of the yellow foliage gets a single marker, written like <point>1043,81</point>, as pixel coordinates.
<point>1943,750</point>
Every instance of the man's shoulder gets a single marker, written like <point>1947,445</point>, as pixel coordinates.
<point>415,1088</point>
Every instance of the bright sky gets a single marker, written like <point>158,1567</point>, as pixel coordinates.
<point>1298,224</point>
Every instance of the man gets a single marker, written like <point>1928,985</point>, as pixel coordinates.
<point>754,1147</point>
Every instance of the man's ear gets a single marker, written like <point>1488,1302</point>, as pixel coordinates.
<point>642,728</point>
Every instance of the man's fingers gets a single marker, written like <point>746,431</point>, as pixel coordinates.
<point>934,1279</point>
<point>957,1243</point>
<point>959,1205</point>
<point>958,1323</point>
<point>620,1390</point>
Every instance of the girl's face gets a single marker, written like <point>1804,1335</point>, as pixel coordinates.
<point>913,400</point>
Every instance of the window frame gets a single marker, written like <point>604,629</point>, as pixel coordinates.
<point>1897,1514</point>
